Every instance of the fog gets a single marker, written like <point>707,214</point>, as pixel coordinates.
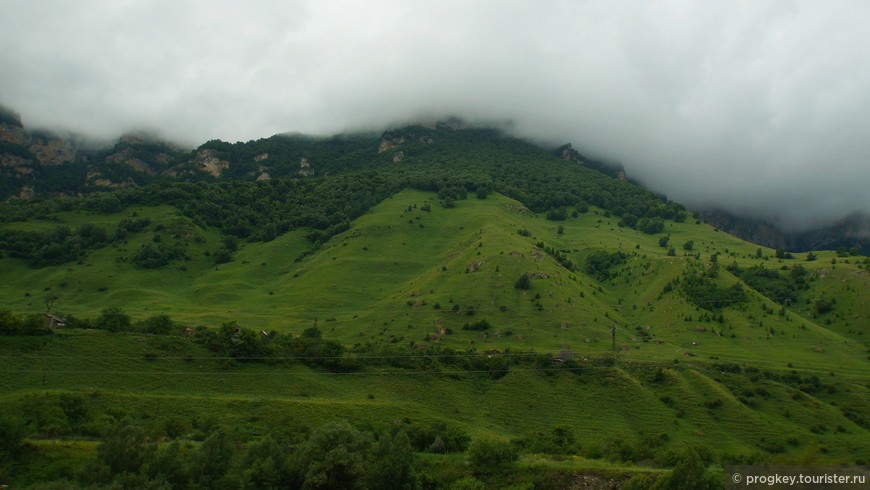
<point>754,107</point>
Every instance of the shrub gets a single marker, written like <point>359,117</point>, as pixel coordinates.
<point>112,319</point>
<point>489,453</point>
<point>524,281</point>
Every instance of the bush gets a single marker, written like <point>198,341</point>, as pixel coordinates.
<point>112,319</point>
<point>651,226</point>
<point>157,324</point>
<point>477,326</point>
<point>491,453</point>
<point>524,282</point>
<point>598,264</point>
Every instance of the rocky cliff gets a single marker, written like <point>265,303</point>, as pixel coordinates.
<point>851,231</point>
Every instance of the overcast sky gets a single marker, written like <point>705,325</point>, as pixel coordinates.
<point>754,106</point>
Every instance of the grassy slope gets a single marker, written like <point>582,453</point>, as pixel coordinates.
<point>380,282</point>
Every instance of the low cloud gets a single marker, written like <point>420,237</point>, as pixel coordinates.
<point>754,107</point>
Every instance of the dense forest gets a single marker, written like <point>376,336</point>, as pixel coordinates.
<point>342,178</point>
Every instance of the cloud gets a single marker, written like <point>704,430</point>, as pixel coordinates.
<point>755,107</point>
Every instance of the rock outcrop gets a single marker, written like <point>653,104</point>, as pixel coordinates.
<point>51,150</point>
<point>305,168</point>
<point>207,161</point>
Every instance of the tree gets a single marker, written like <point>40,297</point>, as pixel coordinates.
<point>222,256</point>
<point>782,254</point>
<point>124,448</point>
<point>689,245</point>
<point>394,468</point>
<point>663,241</point>
<point>651,226</point>
<point>524,282</point>
<point>335,456</point>
<point>266,466</point>
<point>690,472</point>
<point>488,453</point>
<point>169,465</point>
<point>158,324</point>
<point>213,459</point>
<point>557,214</point>
<point>12,434</point>
<point>112,319</point>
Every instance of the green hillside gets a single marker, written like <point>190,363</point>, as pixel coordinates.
<point>487,315</point>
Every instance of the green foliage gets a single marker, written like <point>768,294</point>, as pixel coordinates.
<point>557,214</point>
<point>651,226</point>
<point>688,245</point>
<point>772,284</point>
<point>393,463</point>
<point>113,319</point>
<point>600,263</point>
<point>704,292</point>
<point>477,326</point>
<point>824,305</point>
<point>524,281</point>
<point>12,434</point>
<point>212,462</point>
<point>124,448</point>
<point>152,256</point>
<point>12,324</point>
<point>558,256</point>
<point>560,440</point>
<point>690,472</point>
<point>335,456</point>
<point>158,324</point>
<point>488,454</point>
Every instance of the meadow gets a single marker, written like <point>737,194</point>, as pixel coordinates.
<point>628,363</point>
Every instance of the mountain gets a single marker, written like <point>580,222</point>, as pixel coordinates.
<point>850,232</point>
<point>450,291</point>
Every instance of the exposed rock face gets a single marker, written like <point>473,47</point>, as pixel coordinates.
<point>388,142</point>
<point>854,230</point>
<point>96,179</point>
<point>261,157</point>
<point>398,157</point>
<point>27,192</point>
<point>11,129</point>
<point>12,134</point>
<point>305,167</point>
<point>755,231</point>
<point>127,157</point>
<point>568,153</point>
<point>207,161</point>
<point>16,164</point>
<point>52,151</point>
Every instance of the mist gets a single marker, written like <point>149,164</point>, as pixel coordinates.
<point>753,107</point>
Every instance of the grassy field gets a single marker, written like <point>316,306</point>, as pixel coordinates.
<point>111,374</point>
<point>410,277</point>
<point>402,275</point>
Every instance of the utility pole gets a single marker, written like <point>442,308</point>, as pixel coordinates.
<point>613,337</point>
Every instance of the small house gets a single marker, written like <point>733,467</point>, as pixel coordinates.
<point>53,321</point>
